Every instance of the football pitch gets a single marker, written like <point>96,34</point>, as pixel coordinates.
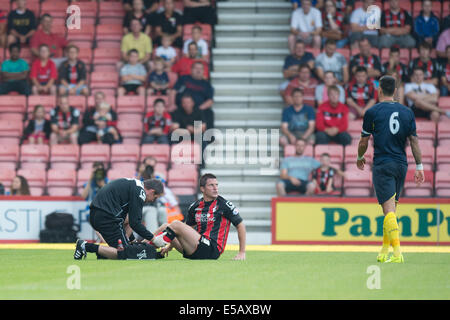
<point>275,274</point>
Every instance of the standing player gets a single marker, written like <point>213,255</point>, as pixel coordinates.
<point>116,211</point>
<point>391,124</point>
<point>204,235</point>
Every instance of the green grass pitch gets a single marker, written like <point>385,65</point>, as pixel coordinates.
<point>42,274</point>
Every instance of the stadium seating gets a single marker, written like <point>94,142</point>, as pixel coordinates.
<point>114,174</point>
<point>426,130</point>
<point>335,151</point>
<point>13,105</point>
<point>186,153</point>
<point>161,152</point>
<point>183,178</point>
<point>351,153</point>
<point>442,157</point>
<point>83,176</point>
<point>91,153</point>
<point>10,131</point>
<point>33,156</point>
<point>427,150</point>
<point>424,190</point>
<point>9,153</point>
<point>49,102</point>
<point>104,80</point>
<point>110,13</point>
<point>358,183</point>
<point>57,9</point>
<point>61,182</point>
<point>130,130</point>
<point>106,56</point>
<point>289,151</point>
<point>36,180</point>
<point>131,104</point>
<point>64,156</point>
<point>85,33</point>
<point>124,153</point>
<point>6,176</point>
<point>443,183</point>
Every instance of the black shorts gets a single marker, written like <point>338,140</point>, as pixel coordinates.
<point>110,227</point>
<point>388,180</point>
<point>137,251</point>
<point>289,187</point>
<point>131,88</point>
<point>420,113</point>
<point>206,249</point>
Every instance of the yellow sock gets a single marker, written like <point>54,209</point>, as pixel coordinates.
<point>391,226</point>
<point>386,242</point>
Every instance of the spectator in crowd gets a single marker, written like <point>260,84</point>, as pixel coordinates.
<point>358,26</point>
<point>21,24</point>
<point>201,11</point>
<point>445,74</point>
<point>166,52</point>
<point>150,6</point>
<point>146,168</point>
<point>56,43</point>
<point>106,133</point>
<point>293,61</point>
<point>306,24</point>
<point>14,73</point>
<point>89,131</point>
<point>169,22</point>
<point>365,58</point>
<point>298,121</point>
<point>97,181</point>
<point>158,79</point>
<point>323,177</point>
<point>429,65</point>
<point>361,94</point>
<point>132,76</point>
<point>43,73</point>
<point>186,116</point>
<point>330,60</point>
<point>426,25</point>
<point>199,89</point>
<point>137,12</point>
<point>443,42</point>
<point>295,172</point>
<point>333,27</point>
<point>19,187</point>
<point>305,82</point>
<point>183,66</point>
<point>157,124</point>
<point>396,27</point>
<point>321,92</point>
<point>394,65</point>
<point>332,120</point>
<point>445,22</point>
<point>3,27</point>
<point>400,92</point>
<point>38,129</point>
<point>138,41</point>
<point>202,45</point>
<point>298,4</point>
<point>422,97</point>
<point>72,74</point>
<point>64,123</point>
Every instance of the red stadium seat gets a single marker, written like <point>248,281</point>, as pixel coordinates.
<point>424,190</point>
<point>173,77</point>
<point>109,32</point>
<point>111,9</point>
<point>124,153</point>
<point>289,151</point>
<point>427,150</point>
<point>9,153</point>
<point>104,80</point>
<point>36,180</point>
<point>426,130</point>
<point>85,33</point>
<point>11,116</point>
<point>34,156</point>
<point>417,7</point>
<point>57,9</point>
<point>114,174</point>
<point>444,103</point>
<point>61,178</point>
<point>78,102</point>
<point>91,153</point>
<point>351,153</point>
<point>443,183</point>
<point>88,9</point>
<point>106,56</point>
<point>131,104</point>
<point>64,156</point>
<point>182,178</point>
<point>186,153</point>
<point>354,129</point>
<point>345,52</point>
<point>49,102</point>
<point>443,132</point>
<point>6,176</point>
<point>182,191</point>
<point>161,152</point>
<point>443,157</point>
<point>124,165</point>
<point>13,104</point>
<point>130,129</point>
<point>335,151</point>
<point>151,101</point>
<point>358,183</point>
<point>11,129</point>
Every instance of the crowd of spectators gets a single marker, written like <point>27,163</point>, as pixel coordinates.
<point>331,74</point>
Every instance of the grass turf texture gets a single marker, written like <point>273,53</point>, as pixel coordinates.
<point>41,274</point>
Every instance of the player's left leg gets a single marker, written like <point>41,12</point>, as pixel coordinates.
<point>186,235</point>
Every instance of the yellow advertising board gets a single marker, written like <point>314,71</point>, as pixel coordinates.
<point>357,221</point>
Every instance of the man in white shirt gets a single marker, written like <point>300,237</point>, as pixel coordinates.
<point>358,26</point>
<point>306,24</point>
<point>422,97</point>
<point>202,45</point>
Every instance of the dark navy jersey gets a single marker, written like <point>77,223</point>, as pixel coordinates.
<point>390,123</point>
<point>212,219</point>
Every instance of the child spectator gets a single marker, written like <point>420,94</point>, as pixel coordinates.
<point>426,25</point>
<point>202,45</point>
<point>21,24</point>
<point>166,52</point>
<point>38,129</point>
<point>323,177</point>
<point>105,133</point>
<point>132,76</point>
<point>15,73</point>
<point>157,124</point>
<point>43,73</point>
<point>332,120</point>
<point>64,123</point>
<point>158,80</point>
<point>361,94</point>
<point>72,74</point>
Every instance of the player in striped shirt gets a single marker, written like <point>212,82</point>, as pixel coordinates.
<point>205,233</point>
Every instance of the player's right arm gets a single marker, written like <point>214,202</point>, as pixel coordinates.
<point>419,176</point>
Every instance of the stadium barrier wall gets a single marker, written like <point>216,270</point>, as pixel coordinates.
<point>22,217</point>
<point>358,221</point>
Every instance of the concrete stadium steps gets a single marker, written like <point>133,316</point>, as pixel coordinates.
<point>246,77</point>
<point>254,7</point>
<point>251,42</point>
<point>252,30</point>
<point>248,101</point>
<point>253,18</point>
<point>230,113</point>
<point>265,54</point>
<point>245,89</point>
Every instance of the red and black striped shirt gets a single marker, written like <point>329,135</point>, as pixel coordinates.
<point>212,219</point>
<point>430,68</point>
<point>399,19</point>
<point>361,94</point>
